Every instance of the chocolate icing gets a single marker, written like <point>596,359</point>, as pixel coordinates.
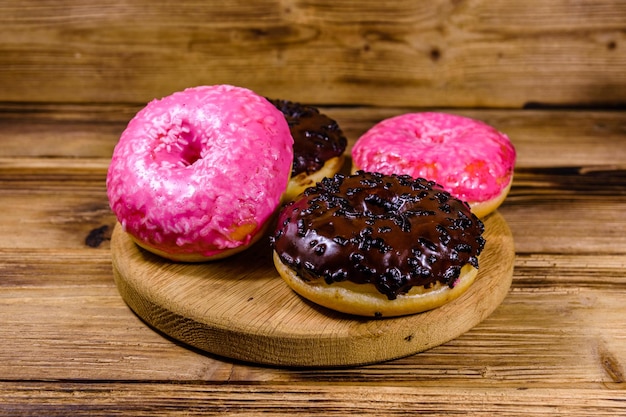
<point>393,231</point>
<point>317,138</point>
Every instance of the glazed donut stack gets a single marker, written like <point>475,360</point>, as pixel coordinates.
<point>201,174</point>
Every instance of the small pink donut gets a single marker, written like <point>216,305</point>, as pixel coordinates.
<point>198,174</point>
<point>470,159</point>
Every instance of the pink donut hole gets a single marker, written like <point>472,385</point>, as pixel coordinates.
<point>198,174</point>
<point>184,156</point>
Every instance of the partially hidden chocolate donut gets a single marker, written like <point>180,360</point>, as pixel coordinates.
<point>319,145</point>
<point>378,245</point>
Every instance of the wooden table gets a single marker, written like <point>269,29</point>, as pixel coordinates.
<point>555,346</point>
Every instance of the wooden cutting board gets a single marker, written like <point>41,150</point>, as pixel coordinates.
<point>241,309</point>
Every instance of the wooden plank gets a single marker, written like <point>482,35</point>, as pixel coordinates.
<point>454,54</point>
<point>558,223</point>
<point>555,138</point>
<point>82,399</point>
<point>38,217</point>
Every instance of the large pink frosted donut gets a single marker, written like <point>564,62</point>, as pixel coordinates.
<point>470,159</point>
<point>198,174</point>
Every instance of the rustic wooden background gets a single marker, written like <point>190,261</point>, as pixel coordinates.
<point>438,53</point>
<point>549,73</point>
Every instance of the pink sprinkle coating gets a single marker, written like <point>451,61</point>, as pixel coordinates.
<point>470,159</point>
<point>200,171</point>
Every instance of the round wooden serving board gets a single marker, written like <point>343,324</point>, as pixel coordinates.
<point>240,308</point>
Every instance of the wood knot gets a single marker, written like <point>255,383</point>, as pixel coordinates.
<point>98,235</point>
<point>610,364</point>
<point>435,54</point>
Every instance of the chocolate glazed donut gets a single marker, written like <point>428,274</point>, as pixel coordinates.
<point>399,234</point>
<point>319,144</point>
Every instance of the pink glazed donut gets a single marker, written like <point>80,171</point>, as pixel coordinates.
<point>470,159</point>
<point>198,174</point>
